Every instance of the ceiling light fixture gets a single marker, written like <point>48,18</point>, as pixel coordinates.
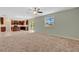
<point>37,11</point>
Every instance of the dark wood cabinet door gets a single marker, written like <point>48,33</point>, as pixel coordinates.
<point>1,20</point>
<point>3,29</point>
<point>26,22</point>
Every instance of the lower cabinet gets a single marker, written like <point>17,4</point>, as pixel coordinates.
<point>3,29</point>
<point>15,28</point>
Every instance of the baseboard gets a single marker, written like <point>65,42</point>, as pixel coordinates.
<point>62,36</point>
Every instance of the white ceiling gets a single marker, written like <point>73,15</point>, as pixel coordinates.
<point>27,12</point>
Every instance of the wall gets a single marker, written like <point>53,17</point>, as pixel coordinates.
<point>66,23</point>
<point>8,24</point>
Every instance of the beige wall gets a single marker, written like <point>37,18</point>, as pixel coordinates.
<point>66,23</point>
<point>8,24</point>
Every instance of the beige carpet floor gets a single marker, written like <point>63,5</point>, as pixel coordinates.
<point>36,42</point>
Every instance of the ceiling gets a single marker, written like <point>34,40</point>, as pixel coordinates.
<point>27,12</point>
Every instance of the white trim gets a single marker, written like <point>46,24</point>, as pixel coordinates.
<point>74,38</point>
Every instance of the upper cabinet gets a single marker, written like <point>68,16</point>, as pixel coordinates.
<point>1,20</point>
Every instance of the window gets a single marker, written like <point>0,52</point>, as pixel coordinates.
<point>49,21</point>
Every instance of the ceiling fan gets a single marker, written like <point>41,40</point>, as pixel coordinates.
<point>37,11</point>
